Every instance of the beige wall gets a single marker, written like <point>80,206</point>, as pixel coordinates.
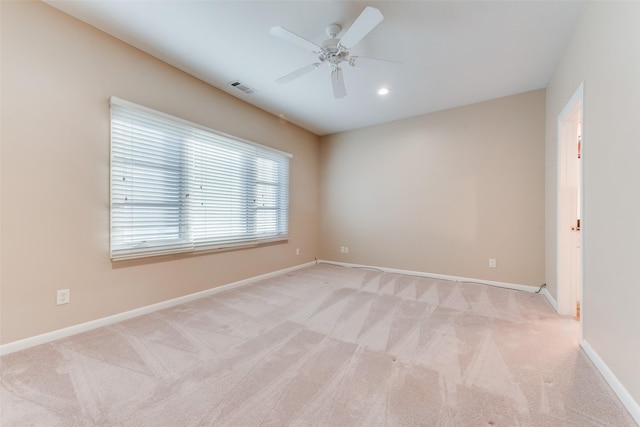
<point>441,193</point>
<point>57,76</point>
<point>604,53</point>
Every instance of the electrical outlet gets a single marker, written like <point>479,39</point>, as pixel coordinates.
<point>492,262</point>
<point>346,249</point>
<point>297,251</point>
<point>62,297</point>
<point>341,249</point>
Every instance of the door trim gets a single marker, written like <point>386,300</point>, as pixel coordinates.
<point>564,304</point>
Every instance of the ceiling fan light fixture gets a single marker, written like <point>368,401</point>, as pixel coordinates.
<point>383,91</point>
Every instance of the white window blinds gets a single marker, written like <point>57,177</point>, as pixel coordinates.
<point>177,186</point>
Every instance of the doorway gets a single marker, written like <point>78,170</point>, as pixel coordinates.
<point>570,224</point>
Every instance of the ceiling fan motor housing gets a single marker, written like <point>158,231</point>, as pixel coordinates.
<point>331,50</point>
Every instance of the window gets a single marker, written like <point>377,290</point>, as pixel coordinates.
<point>179,187</point>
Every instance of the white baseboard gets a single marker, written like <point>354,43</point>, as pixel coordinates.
<point>625,397</point>
<point>93,324</point>
<point>551,299</point>
<point>526,288</point>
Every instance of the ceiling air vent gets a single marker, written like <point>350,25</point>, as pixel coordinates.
<point>241,86</point>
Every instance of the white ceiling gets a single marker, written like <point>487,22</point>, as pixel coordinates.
<point>452,53</point>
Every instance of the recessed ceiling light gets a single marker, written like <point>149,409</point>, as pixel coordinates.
<point>383,91</point>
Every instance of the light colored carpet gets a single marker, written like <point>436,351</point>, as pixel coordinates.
<point>325,346</point>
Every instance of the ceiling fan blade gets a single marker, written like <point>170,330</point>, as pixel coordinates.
<point>356,60</point>
<point>367,21</point>
<point>298,73</point>
<point>339,91</point>
<point>289,36</point>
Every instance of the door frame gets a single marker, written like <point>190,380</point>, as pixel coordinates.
<point>564,236</point>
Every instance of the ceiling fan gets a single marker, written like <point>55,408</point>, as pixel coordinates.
<point>333,51</point>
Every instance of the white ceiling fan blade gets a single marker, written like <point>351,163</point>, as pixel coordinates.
<point>367,21</point>
<point>356,60</point>
<point>298,73</point>
<point>289,36</point>
<point>339,91</point>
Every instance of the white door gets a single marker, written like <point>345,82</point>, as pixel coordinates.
<point>569,206</point>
